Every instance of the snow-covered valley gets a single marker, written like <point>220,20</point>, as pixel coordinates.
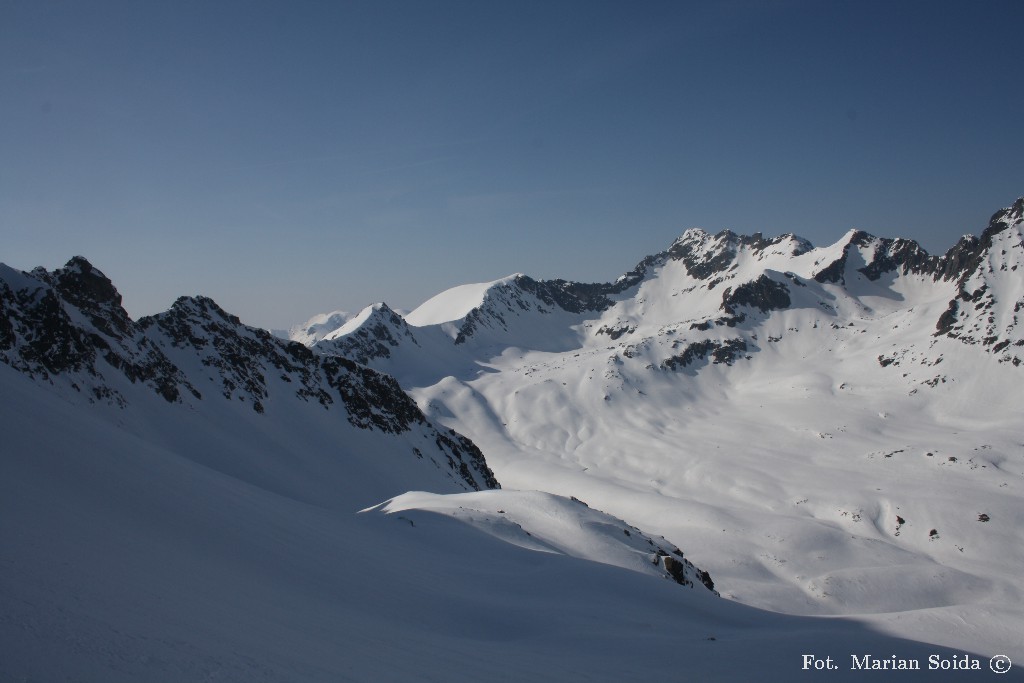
<point>829,438</point>
<point>813,423</point>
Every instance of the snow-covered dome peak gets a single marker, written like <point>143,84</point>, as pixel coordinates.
<point>455,303</point>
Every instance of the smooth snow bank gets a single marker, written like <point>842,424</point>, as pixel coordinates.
<point>548,523</point>
<point>355,322</point>
<point>453,304</point>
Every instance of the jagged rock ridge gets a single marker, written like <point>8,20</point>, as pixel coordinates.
<point>68,328</point>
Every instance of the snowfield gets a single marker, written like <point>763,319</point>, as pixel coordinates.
<point>126,559</point>
<point>809,423</point>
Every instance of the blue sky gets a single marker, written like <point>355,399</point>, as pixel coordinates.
<point>288,158</point>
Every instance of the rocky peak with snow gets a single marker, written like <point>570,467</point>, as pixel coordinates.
<point>68,328</point>
<point>369,335</point>
<point>989,295</point>
<point>705,255</point>
<point>872,257</point>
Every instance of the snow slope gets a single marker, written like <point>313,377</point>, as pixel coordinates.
<point>126,559</point>
<point>453,304</point>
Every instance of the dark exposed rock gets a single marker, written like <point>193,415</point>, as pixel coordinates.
<point>676,569</point>
<point>795,279</point>
<point>763,294</point>
<point>958,259</point>
<point>617,331</point>
<point>726,351</point>
<point>882,255</point>
<point>833,272</point>
<point>6,326</point>
<point>970,316</point>
<point>470,459</point>
<point>948,319</point>
<point>50,343</point>
<point>45,341</point>
<point>705,256</point>
<point>638,273</point>
<point>967,256</point>
<point>702,255</point>
<point>574,297</point>
<point>373,399</point>
<point>92,293</point>
<point>242,356</point>
<point>479,318</point>
<point>704,265</point>
<point>905,256</point>
<point>521,295</point>
<point>713,258</point>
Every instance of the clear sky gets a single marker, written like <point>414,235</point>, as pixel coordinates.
<point>290,158</point>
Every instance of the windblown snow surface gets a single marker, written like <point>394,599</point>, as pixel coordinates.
<point>127,556</point>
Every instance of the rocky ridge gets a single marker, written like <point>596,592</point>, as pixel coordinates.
<point>67,328</point>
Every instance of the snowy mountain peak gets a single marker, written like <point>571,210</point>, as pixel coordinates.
<point>202,308</point>
<point>1011,215</point>
<point>373,333</point>
<point>692,236</point>
<point>317,327</point>
<point>88,283</point>
<point>92,292</point>
<point>989,274</point>
<point>454,304</point>
<point>706,257</point>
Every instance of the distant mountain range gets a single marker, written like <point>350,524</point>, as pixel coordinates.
<point>720,281</point>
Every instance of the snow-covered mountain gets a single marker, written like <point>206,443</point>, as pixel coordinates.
<point>67,328</point>
<point>837,427</point>
<point>314,329</point>
<point>812,431</point>
<point>717,281</point>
